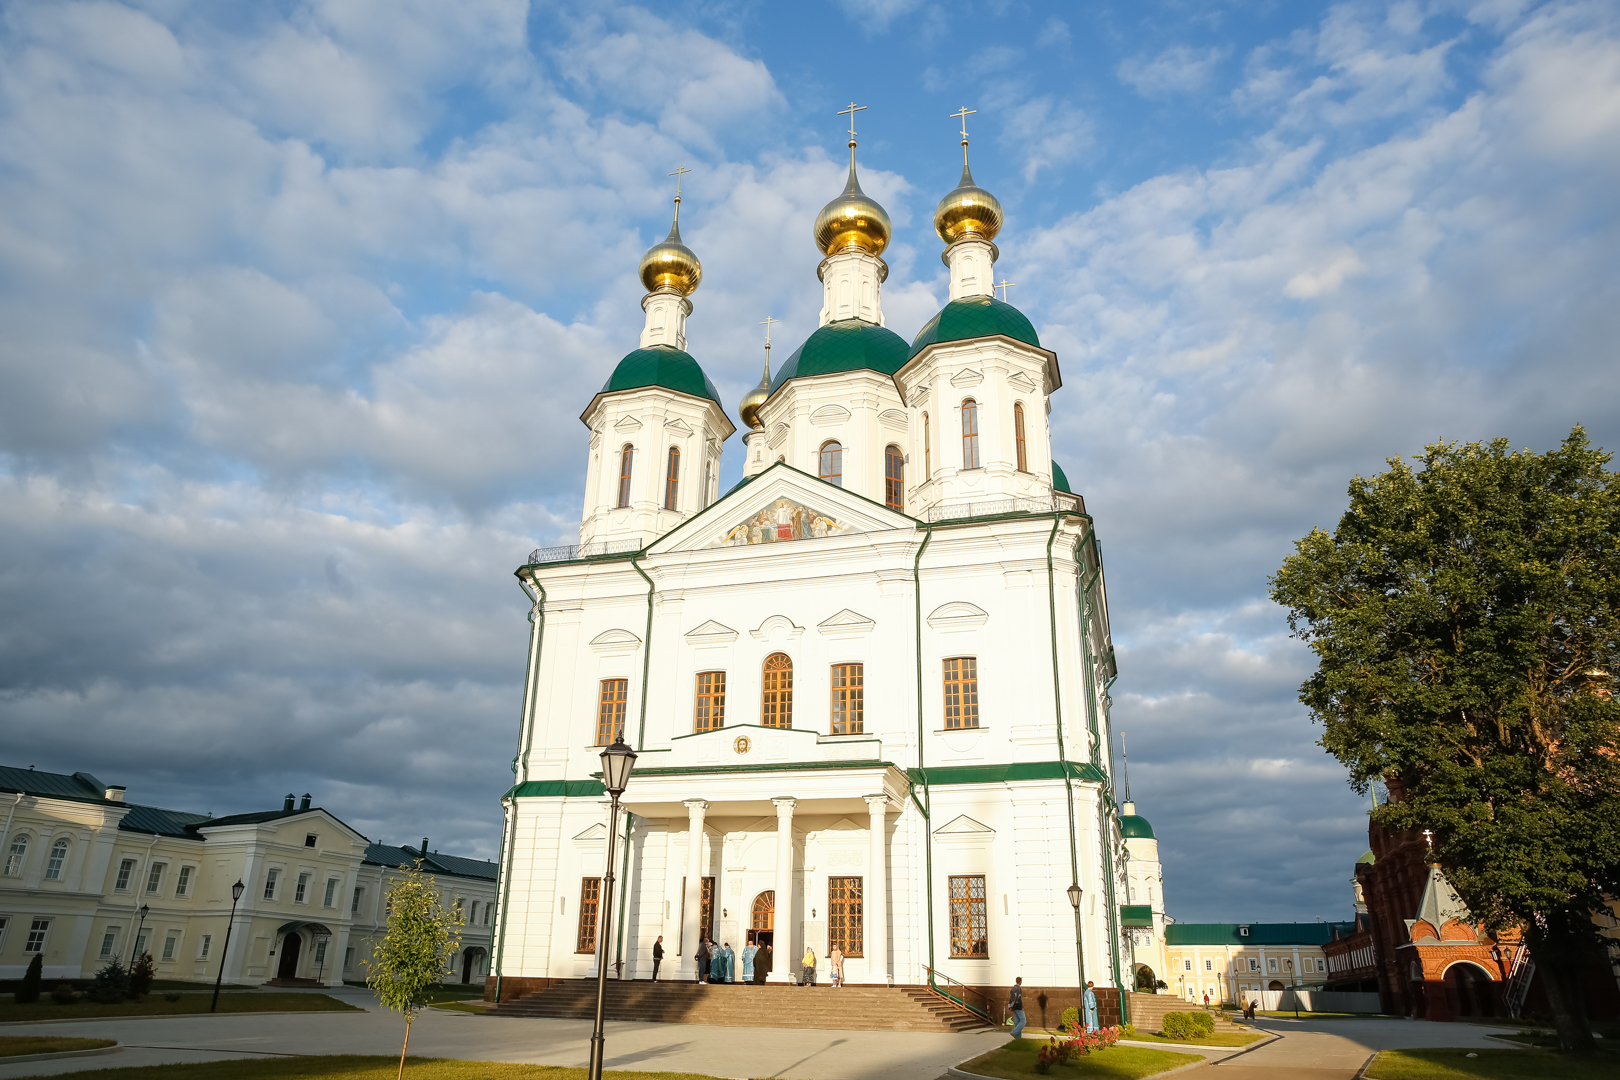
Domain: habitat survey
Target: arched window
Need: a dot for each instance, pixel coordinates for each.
(672, 481)
(1018, 436)
(970, 434)
(53, 866)
(832, 463)
(928, 452)
(894, 478)
(776, 699)
(627, 461)
(14, 857)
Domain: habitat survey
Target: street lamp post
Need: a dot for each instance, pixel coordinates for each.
(1079, 952)
(135, 949)
(236, 894)
(617, 761)
(321, 941)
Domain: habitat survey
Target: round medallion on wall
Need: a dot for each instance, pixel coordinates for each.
(741, 745)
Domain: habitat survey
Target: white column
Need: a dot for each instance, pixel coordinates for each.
(691, 905)
(877, 892)
(784, 944)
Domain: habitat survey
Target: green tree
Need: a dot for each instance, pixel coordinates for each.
(421, 941)
(28, 992)
(142, 973)
(1465, 619)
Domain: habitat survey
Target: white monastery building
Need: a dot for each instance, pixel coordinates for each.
(868, 686)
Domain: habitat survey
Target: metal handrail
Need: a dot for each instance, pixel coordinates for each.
(1518, 981)
(981, 1011)
(1058, 501)
(572, 552)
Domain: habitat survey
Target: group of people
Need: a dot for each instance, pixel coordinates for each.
(718, 963)
(1015, 1005)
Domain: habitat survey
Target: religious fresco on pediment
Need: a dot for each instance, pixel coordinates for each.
(782, 520)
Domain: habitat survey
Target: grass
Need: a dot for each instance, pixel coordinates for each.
(348, 1067)
(475, 1007)
(1016, 1061)
(1220, 1038)
(455, 992)
(14, 1045)
(1491, 1065)
(154, 1005)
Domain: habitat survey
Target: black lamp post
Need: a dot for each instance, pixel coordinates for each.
(135, 949)
(321, 941)
(236, 894)
(617, 761)
(1074, 892)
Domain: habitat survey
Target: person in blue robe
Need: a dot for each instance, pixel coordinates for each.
(1090, 1003)
(717, 965)
(731, 963)
(748, 961)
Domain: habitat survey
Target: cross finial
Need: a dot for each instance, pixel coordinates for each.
(677, 174)
(962, 114)
(1428, 837)
(1004, 285)
(766, 323)
(852, 110)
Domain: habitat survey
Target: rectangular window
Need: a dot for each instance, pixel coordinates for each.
(168, 946)
(894, 479)
(1271, 964)
(299, 891)
(354, 905)
(610, 710)
(53, 865)
(848, 699)
(672, 480)
(154, 877)
(970, 936)
(309, 841)
(1254, 964)
(14, 857)
(108, 941)
(270, 884)
(776, 693)
(320, 950)
(348, 957)
(709, 713)
(970, 434)
(1209, 965)
(205, 947)
(36, 936)
(331, 893)
(590, 894)
(961, 692)
(706, 909)
(473, 919)
(182, 887)
(126, 868)
(140, 943)
(4, 922)
(627, 459)
(1188, 964)
(845, 914)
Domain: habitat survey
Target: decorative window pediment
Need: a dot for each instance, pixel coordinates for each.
(1022, 382)
(776, 624)
(964, 826)
(678, 426)
(846, 623)
(628, 423)
(967, 377)
(829, 414)
(893, 417)
(957, 614)
(919, 395)
(596, 834)
(615, 641)
(711, 633)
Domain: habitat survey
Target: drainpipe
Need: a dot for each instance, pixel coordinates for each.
(624, 903)
(520, 765)
(1063, 761)
(646, 651)
(928, 831)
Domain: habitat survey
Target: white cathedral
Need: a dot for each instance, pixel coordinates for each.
(868, 686)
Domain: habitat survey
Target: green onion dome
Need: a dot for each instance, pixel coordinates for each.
(1367, 858)
(661, 365)
(975, 317)
(845, 345)
(1060, 479)
(1136, 828)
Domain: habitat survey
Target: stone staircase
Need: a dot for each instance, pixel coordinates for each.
(1148, 1011)
(864, 1008)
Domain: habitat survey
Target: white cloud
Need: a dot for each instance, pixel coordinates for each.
(1180, 69)
(875, 16)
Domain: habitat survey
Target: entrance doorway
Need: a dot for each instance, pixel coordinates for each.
(291, 943)
(1470, 990)
(762, 918)
(470, 963)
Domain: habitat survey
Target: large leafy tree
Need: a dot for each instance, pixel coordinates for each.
(1465, 618)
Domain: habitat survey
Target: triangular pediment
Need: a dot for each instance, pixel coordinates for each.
(710, 633)
(595, 833)
(845, 623)
(964, 826)
(628, 423)
(678, 426)
(781, 505)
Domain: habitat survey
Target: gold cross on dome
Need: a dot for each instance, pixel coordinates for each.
(852, 110)
(678, 174)
(1004, 285)
(766, 323)
(962, 114)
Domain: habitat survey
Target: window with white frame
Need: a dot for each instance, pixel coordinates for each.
(320, 950)
(348, 957)
(5, 920)
(126, 869)
(1188, 964)
(1271, 964)
(301, 892)
(1209, 965)
(53, 866)
(182, 885)
(486, 911)
(36, 936)
(354, 905)
(331, 893)
(16, 855)
(109, 941)
(169, 944)
(204, 946)
(270, 883)
(154, 877)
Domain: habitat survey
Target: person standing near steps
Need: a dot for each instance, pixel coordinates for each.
(658, 955)
(1015, 1002)
(701, 955)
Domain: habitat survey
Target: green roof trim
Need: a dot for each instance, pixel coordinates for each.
(846, 345)
(1136, 915)
(661, 365)
(1136, 828)
(557, 789)
(975, 317)
(1060, 479)
(1299, 933)
(1000, 774)
(764, 766)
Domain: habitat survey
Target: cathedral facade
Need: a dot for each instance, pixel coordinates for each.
(867, 686)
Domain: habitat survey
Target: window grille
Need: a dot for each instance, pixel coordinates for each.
(168, 947)
(970, 434)
(14, 858)
(182, 887)
(894, 478)
(300, 893)
(776, 699)
(126, 869)
(154, 877)
(832, 463)
(36, 936)
(53, 866)
(108, 940)
(848, 699)
(207, 945)
(331, 893)
(270, 884)
(610, 711)
(970, 935)
(672, 480)
(627, 461)
(845, 914)
(961, 692)
(590, 895)
(709, 711)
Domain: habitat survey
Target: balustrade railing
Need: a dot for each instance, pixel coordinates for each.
(1058, 501)
(574, 552)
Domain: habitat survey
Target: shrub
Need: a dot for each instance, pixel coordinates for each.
(172, 995)
(111, 984)
(28, 992)
(1177, 1026)
(1127, 1031)
(63, 994)
(1071, 1015)
(1049, 1055)
(1202, 1024)
(141, 974)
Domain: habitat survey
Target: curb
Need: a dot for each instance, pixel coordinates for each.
(1361, 1073)
(20, 1058)
(6, 1024)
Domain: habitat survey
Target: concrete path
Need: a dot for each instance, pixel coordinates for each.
(715, 1051)
(1336, 1049)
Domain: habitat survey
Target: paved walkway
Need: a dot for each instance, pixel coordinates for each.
(1320, 1050)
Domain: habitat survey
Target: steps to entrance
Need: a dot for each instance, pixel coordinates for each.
(864, 1008)
(306, 984)
(1148, 1012)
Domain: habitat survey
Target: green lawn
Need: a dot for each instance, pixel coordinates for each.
(1316, 1016)
(455, 992)
(1219, 1038)
(1016, 1061)
(154, 1005)
(347, 1067)
(1492, 1065)
(475, 1007)
(13, 1045)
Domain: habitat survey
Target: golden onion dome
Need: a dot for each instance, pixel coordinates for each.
(853, 221)
(748, 408)
(671, 266)
(967, 211)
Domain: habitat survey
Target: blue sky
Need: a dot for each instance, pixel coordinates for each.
(302, 300)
